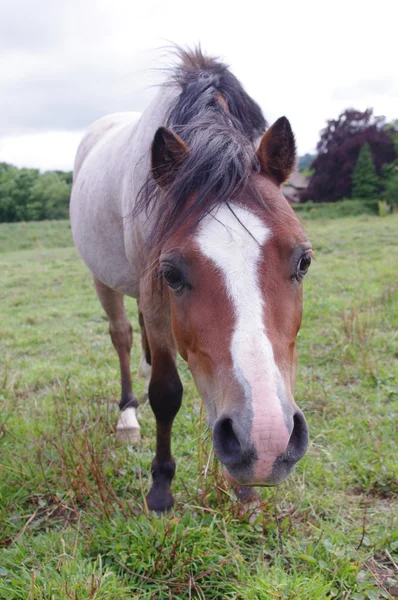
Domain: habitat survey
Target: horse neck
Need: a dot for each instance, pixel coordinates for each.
(135, 165)
(139, 146)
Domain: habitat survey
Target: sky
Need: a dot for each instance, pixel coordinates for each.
(65, 63)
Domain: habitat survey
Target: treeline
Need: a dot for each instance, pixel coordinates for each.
(28, 195)
(357, 157)
(304, 162)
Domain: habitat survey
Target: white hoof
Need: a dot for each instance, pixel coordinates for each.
(128, 436)
(128, 428)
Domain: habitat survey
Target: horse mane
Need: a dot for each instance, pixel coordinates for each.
(220, 124)
(204, 81)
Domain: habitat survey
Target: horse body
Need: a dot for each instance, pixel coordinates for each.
(190, 220)
(110, 167)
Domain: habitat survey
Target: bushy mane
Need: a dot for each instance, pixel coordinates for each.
(203, 81)
(219, 123)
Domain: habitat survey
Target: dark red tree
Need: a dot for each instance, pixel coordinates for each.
(338, 150)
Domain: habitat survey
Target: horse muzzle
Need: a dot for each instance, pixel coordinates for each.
(267, 455)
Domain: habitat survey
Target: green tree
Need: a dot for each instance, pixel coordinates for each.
(49, 198)
(304, 162)
(390, 183)
(365, 182)
(28, 195)
(391, 190)
(15, 189)
(392, 130)
(389, 171)
(8, 175)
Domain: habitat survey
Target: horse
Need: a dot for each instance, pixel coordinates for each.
(181, 208)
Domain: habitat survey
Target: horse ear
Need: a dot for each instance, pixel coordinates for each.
(277, 151)
(167, 154)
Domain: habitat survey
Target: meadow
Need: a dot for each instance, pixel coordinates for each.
(73, 524)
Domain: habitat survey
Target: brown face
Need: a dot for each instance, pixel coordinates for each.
(235, 287)
(235, 290)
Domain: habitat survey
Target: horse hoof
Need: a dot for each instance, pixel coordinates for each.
(128, 436)
(160, 505)
(128, 429)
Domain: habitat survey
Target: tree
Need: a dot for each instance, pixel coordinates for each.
(49, 198)
(15, 188)
(304, 162)
(365, 183)
(390, 194)
(392, 130)
(338, 151)
(390, 171)
(390, 179)
(28, 195)
(7, 186)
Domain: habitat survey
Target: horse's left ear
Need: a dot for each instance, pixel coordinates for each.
(167, 153)
(277, 151)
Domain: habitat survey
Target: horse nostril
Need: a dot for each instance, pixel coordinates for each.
(298, 441)
(226, 443)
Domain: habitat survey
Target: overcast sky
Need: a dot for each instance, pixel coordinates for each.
(64, 63)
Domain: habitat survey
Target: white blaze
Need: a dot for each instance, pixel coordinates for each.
(234, 244)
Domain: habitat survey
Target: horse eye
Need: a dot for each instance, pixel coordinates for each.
(173, 279)
(303, 266)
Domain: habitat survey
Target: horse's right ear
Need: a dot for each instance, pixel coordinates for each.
(277, 151)
(167, 154)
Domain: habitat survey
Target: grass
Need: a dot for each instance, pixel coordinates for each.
(72, 519)
(35, 235)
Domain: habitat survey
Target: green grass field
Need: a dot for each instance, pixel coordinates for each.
(72, 518)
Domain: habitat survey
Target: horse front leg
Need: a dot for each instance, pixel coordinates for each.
(165, 395)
